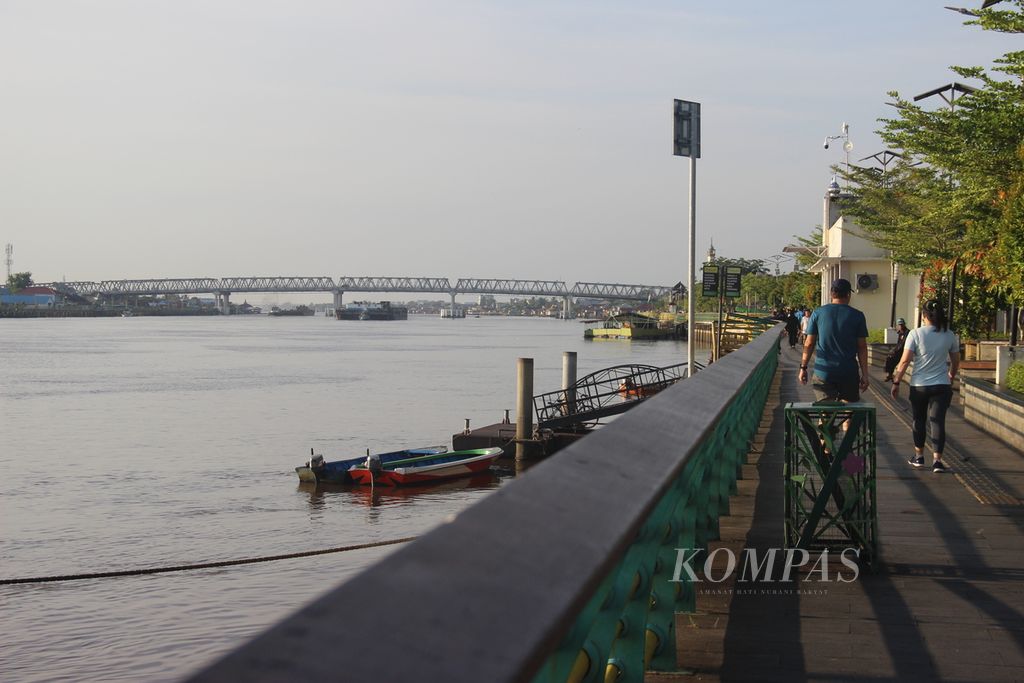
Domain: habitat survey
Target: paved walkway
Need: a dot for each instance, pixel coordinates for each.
(947, 603)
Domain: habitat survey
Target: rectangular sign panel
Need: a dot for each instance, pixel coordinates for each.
(686, 139)
(733, 275)
(709, 284)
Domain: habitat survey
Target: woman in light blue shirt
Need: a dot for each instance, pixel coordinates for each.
(931, 390)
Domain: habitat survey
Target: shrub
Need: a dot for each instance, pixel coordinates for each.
(876, 336)
(1015, 377)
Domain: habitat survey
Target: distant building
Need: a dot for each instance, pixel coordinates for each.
(845, 254)
(31, 297)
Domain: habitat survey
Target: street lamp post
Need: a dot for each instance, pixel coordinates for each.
(884, 158)
(951, 93)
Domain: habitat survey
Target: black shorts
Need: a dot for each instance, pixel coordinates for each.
(843, 390)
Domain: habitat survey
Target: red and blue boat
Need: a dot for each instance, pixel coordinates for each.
(318, 471)
(424, 469)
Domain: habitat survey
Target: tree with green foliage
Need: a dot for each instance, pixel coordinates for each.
(954, 199)
(18, 281)
(798, 289)
(753, 265)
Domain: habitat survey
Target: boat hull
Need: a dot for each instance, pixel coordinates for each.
(428, 469)
(337, 471)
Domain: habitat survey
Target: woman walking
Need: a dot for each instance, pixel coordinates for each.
(931, 390)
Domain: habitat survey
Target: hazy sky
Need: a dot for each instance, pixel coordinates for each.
(146, 139)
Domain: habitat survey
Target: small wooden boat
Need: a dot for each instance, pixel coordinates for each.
(424, 469)
(316, 470)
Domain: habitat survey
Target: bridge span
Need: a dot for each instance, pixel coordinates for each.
(222, 288)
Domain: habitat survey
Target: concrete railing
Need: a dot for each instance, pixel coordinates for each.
(998, 412)
(564, 574)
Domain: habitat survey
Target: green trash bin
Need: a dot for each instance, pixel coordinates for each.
(830, 478)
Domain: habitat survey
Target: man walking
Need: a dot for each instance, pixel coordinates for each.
(837, 335)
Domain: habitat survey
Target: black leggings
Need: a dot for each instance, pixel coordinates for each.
(929, 405)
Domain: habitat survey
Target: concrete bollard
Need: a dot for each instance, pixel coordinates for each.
(524, 407)
(1005, 357)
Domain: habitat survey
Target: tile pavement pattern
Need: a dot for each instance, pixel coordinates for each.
(945, 604)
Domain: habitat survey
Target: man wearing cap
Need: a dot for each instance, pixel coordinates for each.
(893, 359)
(837, 335)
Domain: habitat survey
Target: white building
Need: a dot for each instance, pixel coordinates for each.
(846, 253)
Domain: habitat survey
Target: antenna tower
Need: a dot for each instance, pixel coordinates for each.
(9, 258)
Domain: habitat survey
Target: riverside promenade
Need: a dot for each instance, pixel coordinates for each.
(946, 602)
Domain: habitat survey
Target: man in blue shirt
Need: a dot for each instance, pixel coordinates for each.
(837, 334)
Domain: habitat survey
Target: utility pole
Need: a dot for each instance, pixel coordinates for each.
(686, 143)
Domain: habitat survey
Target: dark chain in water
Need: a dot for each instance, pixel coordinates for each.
(203, 565)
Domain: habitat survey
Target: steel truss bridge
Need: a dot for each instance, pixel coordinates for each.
(222, 288)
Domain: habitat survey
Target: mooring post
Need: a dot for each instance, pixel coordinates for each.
(569, 381)
(524, 406)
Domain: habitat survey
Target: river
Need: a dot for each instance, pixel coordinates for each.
(151, 442)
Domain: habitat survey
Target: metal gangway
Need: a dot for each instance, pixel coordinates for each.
(604, 393)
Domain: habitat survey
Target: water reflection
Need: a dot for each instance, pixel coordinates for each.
(321, 494)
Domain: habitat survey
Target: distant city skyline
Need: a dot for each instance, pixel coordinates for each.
(449, 139)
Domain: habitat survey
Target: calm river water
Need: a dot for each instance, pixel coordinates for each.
(144, 442)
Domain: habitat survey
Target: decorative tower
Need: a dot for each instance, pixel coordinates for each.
(711, 253)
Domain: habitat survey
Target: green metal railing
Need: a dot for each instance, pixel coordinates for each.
(830, 477)
(628, 625)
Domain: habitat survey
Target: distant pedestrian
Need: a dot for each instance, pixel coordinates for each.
(931, 384)
(894, 356)
(806, 318)
(837, 335)
(792, 328)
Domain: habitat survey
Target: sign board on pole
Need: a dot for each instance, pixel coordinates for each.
(686, 141)
(733, 274)
(709, 283)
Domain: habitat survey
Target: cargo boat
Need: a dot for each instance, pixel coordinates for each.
(364, 310)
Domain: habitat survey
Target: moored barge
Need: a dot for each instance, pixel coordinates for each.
(364, 310)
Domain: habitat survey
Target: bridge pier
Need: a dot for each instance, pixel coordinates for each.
(567, 310)
(222, 303)
(452, 308)
(338, 294)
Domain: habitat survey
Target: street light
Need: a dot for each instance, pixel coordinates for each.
(884, 158)
(949, 93)
(779, 258)
(974, 13)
